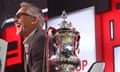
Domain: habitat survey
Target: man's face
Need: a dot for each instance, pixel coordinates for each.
(23, 21)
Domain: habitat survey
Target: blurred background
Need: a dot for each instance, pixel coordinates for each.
(104, 14)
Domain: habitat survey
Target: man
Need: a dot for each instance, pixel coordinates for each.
(29, 22)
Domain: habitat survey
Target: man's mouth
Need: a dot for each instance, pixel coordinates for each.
(18, 28)
(17, 25)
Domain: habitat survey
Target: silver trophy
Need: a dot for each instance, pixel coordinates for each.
(65, 58)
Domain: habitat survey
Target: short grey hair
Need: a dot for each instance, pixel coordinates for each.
(34, 11)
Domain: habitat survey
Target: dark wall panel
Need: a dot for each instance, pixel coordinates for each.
(56, 6)
(102, 5)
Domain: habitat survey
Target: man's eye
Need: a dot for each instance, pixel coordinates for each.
(17, 16)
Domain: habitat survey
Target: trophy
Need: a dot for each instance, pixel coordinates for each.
(65, 59)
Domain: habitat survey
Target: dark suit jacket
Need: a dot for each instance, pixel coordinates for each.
(36, 55)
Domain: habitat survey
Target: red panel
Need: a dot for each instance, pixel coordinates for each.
(9, 34)
(108, 44)
(98, 29)
(103, 43)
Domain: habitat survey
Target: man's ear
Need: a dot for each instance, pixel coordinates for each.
(34, 20)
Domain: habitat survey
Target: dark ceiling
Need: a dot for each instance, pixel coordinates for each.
(57, 6)
(8, 8)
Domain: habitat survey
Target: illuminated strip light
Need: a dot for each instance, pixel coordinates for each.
(111, 30)
(45, 10)
(9, 20)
